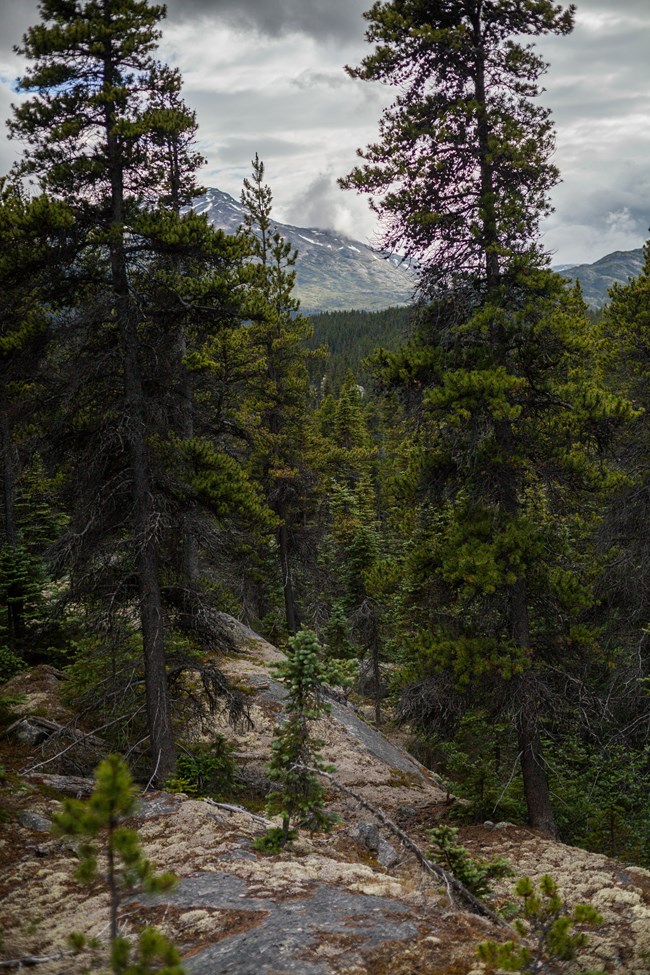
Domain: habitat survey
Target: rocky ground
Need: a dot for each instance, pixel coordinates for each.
(351, 902)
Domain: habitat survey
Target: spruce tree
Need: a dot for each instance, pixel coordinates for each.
(461, 171)
(34, 238)
(504, 377)
(501, 564)
(296, 754)
(625, 587)
(280, 403)
(96, 137)
(352, 546)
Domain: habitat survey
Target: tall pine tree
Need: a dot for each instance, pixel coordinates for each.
(98, 129)
(278, 336)
(502, 371)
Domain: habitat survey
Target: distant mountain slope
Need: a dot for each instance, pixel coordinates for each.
(596, 279)
(333, 272)
(337, 273)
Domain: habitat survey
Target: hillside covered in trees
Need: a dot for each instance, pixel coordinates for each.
(448, 519)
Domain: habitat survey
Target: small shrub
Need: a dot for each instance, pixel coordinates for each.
(552, 932)
(274, 840)
(10, 663)
(153, 953)
(473, 874)
(206, 770)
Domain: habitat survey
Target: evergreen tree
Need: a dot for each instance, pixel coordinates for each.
(352, 546)
(462, 171)
(34, 236)
(100, 824)
(280, 405)
(501, 565)
(350, 337)
(625, 605)
(296, 752)
(96, 135)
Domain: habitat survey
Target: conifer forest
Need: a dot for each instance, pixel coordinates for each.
(442, 510)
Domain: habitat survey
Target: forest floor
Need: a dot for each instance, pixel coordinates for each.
(331, 904)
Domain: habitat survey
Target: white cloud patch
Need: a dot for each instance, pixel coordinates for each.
(622, 222)
(323, 204)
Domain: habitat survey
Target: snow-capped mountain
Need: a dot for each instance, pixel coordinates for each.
(333, 272)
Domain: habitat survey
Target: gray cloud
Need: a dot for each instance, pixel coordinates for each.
(316, 205)
(323, 204)
(623, 7)
(320, 79)
(15, 17)
(331, 19)
(266, 146)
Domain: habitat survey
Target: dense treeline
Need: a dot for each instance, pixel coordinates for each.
(461, 515)
(351, 336)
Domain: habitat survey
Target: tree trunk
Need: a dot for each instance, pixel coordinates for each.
(536, 790)
(10, 527)
(487, 199)
(190, 548)
(111, 872)
(15, 607)
(376, 674)
(163, 752)
(287, 584)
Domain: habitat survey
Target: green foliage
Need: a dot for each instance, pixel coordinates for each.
(351, 337)
(448, 169)
(21, 584)
(205, 770)
(99, 823)
(274, 840)
(479, 760)
(474, 874)
(275, 409)
(299, 797)
(152, 954)
(603, 797)
(553, 933)
(10, 663)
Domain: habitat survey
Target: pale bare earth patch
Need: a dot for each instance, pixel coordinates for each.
(621, 894)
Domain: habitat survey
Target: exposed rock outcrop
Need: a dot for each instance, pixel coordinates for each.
(351, 902)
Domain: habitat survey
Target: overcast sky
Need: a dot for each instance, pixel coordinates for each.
(267, 76)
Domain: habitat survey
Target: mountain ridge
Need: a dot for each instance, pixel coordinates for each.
(333, 272)
(596, 279)
(339, 273)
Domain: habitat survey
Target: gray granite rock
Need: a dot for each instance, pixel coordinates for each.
(273, 692)
(369, 836)
(31, 820)
(288, 931)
